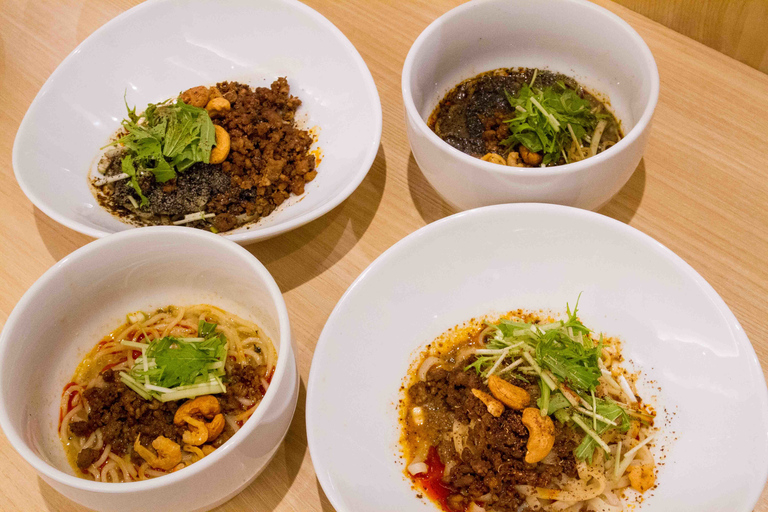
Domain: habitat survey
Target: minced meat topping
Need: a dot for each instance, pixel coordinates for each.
(492, 461)
(269, 160)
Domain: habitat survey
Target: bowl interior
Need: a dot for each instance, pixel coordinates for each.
(159, 49)
(699, 369)
(576, 38)
(88, 294)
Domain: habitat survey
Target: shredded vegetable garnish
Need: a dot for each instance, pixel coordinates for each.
(192, 217)
(555, 120)
(167, 138)
(564, 358)
(174, 368)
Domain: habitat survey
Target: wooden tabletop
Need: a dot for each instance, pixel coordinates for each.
(701, 190)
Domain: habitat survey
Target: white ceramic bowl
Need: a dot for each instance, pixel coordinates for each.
(712, 403)
(159, 48)
(574, 37)
(84, 297)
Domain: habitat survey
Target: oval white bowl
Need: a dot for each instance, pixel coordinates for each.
(158, 49)
(573, 37)
(84, 297)
(712, 403)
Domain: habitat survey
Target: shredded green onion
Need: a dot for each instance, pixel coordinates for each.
(591, 433)
(565, 360)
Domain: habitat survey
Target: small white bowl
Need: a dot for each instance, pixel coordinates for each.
(158, 49)
(86, 295)
(573, 37)
(698, 368)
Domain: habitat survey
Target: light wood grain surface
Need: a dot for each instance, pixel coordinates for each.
(737, 28)
(701, 190)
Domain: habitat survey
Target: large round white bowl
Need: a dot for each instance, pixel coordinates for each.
(158, 49)
(574, 37)
(699, 368)
(85, 296)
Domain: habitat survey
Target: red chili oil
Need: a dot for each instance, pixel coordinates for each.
(112, 365)
(431, 482)
(69, 402)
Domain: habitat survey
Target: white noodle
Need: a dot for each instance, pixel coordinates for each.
(103, 180)
(428, 363)
(103, 457)
(192, 217)
(417, 467)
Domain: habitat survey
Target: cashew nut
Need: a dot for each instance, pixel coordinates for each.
(221, 150)
(199, 431)
(508, 394)
(196, 96)
(541, 435)
(513, 159)
(642, 477)
(494, 158)
(495, 407)
(168, 453)
(217, 106)
(529, 156)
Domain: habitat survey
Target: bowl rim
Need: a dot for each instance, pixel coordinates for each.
(138, 237)
(629, 138)
(406, 243)
(248, 235)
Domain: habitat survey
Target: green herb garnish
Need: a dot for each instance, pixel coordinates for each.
(571, 361)
(174, 368)
(553, 120)
(564, 348)
(564, 360)
(130, 170)
(167, 139)
(205, 329)
(610, 410)
(180, 363)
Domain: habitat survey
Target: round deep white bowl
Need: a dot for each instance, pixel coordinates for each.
(574, 37)
(699, 370)
(158, 49)
(85, 296)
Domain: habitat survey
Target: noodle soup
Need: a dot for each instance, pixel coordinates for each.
(523, 117)
(163, 391)
(525, 413)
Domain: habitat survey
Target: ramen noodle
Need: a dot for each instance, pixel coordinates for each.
(163, 391)
(525, 413)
